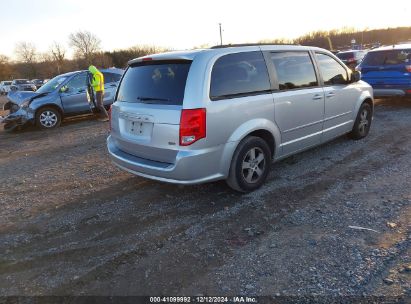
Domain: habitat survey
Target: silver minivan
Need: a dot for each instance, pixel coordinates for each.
(227, 112)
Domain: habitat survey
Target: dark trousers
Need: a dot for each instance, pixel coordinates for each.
(100, 105)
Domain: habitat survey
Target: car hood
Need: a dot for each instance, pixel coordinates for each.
(18, 97)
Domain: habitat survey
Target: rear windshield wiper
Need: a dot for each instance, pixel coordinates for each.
(152, 98)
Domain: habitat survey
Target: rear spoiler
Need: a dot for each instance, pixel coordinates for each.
(170, 56)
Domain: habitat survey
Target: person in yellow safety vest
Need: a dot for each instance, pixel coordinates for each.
(97, 82)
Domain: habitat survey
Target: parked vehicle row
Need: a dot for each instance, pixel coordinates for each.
(62, 96)
(227, 113)
(21, 85)
(5, 87)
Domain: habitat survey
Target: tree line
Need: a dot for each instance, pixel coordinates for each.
(341, 39)
(87, 50)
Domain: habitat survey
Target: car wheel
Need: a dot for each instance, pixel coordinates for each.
(48, 118)
(362, 123)
(250, 165)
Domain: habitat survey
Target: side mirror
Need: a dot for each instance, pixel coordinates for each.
(355, 76)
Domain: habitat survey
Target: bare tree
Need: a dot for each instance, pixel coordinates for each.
(85, 44)
(4, 59)
(58, 52)
(26, 52)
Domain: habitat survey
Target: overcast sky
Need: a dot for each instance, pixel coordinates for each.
(181, 24)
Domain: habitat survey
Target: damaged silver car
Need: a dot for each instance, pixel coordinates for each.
(64, 95)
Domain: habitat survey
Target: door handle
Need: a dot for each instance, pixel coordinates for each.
(318, 96)
(331, 94)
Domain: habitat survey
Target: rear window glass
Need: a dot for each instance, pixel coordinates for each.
(161, 82)
(345, 56)
(239, 74)
(390, 57)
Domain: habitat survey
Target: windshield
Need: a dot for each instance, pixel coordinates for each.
(7, 83)
(161, 82)
(51, 85)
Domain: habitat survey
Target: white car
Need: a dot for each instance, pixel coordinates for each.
(4, 87)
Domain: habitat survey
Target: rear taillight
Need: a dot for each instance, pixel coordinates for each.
(408, 68)
(192, 126)
(408, 91)
(351, 60)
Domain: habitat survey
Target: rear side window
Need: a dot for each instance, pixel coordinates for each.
(295, 70)
(155, 82)
(389, 57)
(332, 72)
(239, 74)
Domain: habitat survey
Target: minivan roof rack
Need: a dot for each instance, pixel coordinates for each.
(247, 44)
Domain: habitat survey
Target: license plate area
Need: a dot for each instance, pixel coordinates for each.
(139, 128)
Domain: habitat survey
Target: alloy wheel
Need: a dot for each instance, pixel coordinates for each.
(48, 119)
(253, 165)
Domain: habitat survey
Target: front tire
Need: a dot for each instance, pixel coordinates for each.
(48, 118)
(362, 123)
(250, 165)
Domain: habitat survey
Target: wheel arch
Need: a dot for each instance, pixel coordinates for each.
(263, 128)
(365, 97)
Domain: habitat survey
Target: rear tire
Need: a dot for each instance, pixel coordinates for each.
(48, 118)
(250, 165)
(362, 123)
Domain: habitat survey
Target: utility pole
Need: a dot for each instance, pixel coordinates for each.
(221, 35)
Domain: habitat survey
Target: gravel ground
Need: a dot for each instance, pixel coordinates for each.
(73, 224)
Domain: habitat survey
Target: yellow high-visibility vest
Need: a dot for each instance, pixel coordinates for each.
(97, 82)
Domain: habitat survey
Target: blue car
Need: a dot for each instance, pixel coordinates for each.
(388, 70)
(64, 95)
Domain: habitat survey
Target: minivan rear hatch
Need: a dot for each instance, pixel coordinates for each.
(146, 114)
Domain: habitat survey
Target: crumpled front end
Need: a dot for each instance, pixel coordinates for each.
(17, 116)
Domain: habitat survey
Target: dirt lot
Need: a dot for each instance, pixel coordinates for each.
(73, 224)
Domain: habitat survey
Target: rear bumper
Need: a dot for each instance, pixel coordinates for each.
(190, 167)
(389, 93)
